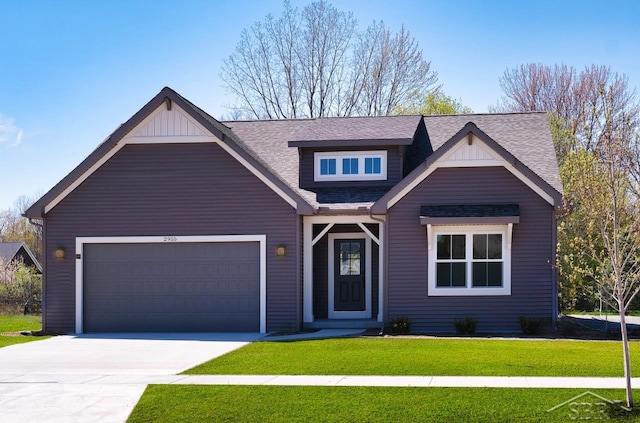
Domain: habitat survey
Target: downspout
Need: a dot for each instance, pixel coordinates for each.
(382, 308)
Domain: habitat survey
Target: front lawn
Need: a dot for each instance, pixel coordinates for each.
(426, 356)
(12, 324)
(188, 403)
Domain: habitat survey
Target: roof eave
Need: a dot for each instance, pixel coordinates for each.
(350, 143)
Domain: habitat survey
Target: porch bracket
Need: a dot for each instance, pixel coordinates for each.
(509, 235)
(368, 232)
(429, 236)
(321, 234)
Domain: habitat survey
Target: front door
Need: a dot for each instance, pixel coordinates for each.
(349, 275)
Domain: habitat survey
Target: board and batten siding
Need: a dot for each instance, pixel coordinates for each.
(173, 190)
(531, 258)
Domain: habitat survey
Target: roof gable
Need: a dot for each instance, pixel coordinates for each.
(469, 147)
(167, 118)
(9, 251)
(526, 136)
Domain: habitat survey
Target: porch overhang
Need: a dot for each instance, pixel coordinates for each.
(329, 220)
(470, 214)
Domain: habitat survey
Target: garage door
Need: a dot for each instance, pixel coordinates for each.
(171, 287)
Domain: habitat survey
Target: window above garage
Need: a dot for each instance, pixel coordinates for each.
(350, 166)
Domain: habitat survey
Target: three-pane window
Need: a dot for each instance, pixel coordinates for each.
(350, 166)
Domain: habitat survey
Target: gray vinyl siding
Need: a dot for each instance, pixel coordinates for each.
(394, 168)
(172, 189)
(532, 253)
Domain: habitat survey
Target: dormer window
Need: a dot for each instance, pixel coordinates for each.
(350, 166)
(327, 167)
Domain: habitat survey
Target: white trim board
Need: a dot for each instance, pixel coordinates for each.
(132, 138)
(81, 241)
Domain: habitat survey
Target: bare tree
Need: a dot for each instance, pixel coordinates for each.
(610, 244)
(315, 63)
(595, 122)
(589, 104)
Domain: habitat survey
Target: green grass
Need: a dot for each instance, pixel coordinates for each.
(18, 323)
(433, 356)
(189, 403)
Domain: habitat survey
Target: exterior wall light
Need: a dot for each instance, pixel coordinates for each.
(281, 250)
(59, 253)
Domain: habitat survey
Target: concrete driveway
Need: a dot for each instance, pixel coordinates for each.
(98, 378)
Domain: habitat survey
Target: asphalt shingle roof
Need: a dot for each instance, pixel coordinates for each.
(387, 129)
(474, 210)
(525, 135)
(8, 250)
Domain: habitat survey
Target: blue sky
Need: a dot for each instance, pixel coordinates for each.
(72, 71)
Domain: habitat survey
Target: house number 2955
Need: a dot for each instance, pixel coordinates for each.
(170, 238)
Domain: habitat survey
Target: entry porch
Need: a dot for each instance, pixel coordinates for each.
(343, 284)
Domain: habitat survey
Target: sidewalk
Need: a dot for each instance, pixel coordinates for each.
(336, 380)
(417, 381)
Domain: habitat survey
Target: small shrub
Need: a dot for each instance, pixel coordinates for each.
(466, 326)
(530, 326)
(399, 325)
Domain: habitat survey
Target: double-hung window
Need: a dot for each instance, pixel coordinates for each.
(350, 166)
(469, 260)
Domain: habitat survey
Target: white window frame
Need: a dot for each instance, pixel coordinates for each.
(360, 155)
(469, 231)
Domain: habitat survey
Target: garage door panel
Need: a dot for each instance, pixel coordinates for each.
(172, 287)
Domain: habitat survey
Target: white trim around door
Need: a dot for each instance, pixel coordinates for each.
(80, 241)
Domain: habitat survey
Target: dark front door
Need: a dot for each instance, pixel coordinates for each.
(349, 290)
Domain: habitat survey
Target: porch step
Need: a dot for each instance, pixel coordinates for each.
(342, 324)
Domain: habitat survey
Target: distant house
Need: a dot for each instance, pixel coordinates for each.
(18, 252)
(180, 222)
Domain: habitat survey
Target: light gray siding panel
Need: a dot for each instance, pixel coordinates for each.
(532, 253)
(172, 189)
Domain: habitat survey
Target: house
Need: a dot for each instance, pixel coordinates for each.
(179, 222)
(12, 252)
